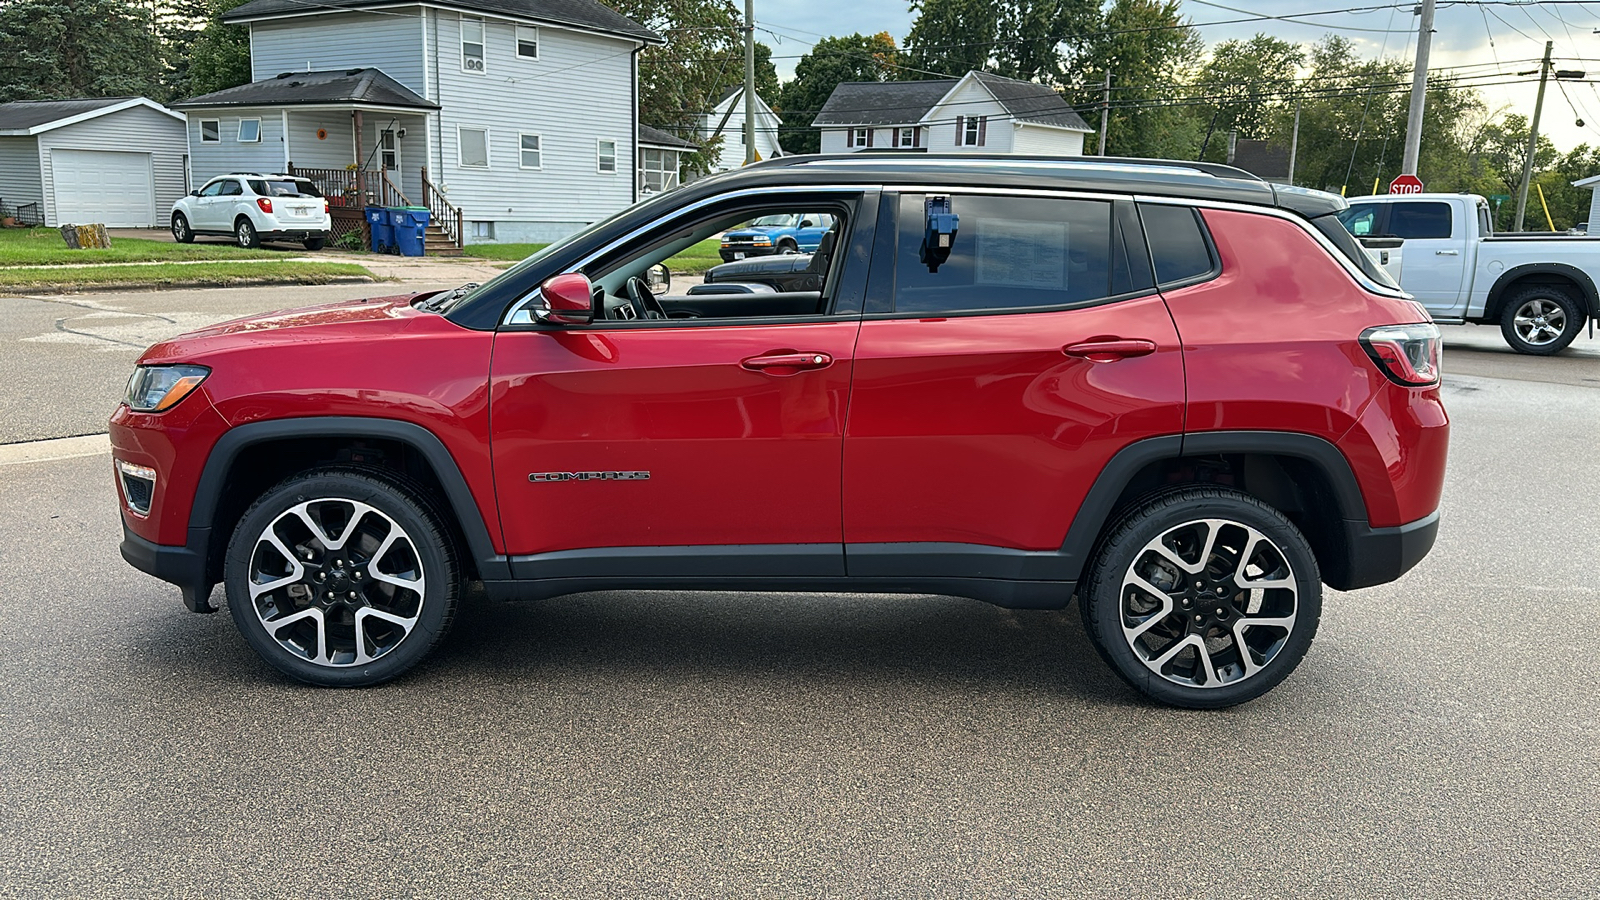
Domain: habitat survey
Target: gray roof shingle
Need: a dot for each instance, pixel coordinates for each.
(588, 14)
(905, 102)
(655, 137)
(20, 115)
(368, 87)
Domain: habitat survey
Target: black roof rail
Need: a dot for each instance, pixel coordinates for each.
(1216, 170)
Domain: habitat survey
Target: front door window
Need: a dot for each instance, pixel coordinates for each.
(389, 150)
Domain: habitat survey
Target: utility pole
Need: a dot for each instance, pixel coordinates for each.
(1294, 140)
(1419, 92)
(750, 81)
(1105, 112)
(1533, 139)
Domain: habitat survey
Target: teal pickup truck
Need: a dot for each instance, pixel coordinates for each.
(776, 234)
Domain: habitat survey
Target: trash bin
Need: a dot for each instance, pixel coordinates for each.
(382, 228)
(410, 229)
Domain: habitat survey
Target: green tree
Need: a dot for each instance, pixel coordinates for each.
(56, 49)
(679, 80)
(1151, 53)
(1027, 39)
(951, 37)
(831, 62)
(1244, 84)
(210, 58)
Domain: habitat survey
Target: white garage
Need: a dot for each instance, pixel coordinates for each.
(113, 188)
(118, 162)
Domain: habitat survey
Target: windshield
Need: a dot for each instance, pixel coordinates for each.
(778, 221)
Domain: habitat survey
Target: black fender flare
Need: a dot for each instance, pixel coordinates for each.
(219, 462)
(1495, 303)
(1095, 512)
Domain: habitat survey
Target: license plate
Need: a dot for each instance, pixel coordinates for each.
(738, 256)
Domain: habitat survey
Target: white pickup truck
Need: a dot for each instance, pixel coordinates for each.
(1539, 289)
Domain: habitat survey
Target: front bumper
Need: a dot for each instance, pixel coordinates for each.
(728, 252)
(182, 566)
(1381, 555)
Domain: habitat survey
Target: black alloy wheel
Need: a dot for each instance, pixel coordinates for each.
(342, 578)
(1203, 598)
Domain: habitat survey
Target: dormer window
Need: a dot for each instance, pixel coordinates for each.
(472, 45)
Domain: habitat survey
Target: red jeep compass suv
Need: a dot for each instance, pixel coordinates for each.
(1176, 391)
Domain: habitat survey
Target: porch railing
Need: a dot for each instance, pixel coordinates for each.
(442, 214)
(350, 187)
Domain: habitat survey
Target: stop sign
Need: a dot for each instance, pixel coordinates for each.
(1406, 184)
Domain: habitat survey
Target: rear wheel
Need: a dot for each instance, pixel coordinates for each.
(244, 231)
(1541, 320)
(341, 578)
(181, 232)
(315, 244)
(1203, 598)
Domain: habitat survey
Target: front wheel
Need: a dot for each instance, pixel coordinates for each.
(787, 247)
(244, 231)
(1541, 320)
(1203, 598)
(341, 578)
(181, 232)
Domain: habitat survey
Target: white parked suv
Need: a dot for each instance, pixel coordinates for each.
(252, 208)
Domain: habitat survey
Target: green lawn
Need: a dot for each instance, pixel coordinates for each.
(223, 273)
(692, 261)
(44, 247)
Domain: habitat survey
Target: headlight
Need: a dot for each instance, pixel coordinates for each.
(159, 388)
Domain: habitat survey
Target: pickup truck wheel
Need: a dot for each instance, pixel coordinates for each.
(1203, 598)
(787, 247)
(341, 578)
(1541, 320)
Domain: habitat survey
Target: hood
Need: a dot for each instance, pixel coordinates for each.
(328, 321)
(760, 231)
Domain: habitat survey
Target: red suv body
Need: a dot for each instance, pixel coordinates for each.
(1176, 391)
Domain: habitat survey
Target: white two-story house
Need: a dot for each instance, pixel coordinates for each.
(727, 118)
(977, 113)
(516, 119)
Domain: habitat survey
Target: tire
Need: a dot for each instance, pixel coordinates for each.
(181, 232)
(1541, 320)
(314, 244)
(244, 233)
(299, 593)
(787, 247)
(1142, 605)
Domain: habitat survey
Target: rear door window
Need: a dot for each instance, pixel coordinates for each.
(1420, 221)
(1179, 246)
(1010, 253)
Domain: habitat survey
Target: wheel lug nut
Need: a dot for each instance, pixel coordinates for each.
(322, 576)
(352, 595)
(1199, 618)
(1220, 611)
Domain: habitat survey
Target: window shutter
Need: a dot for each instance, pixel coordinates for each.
(983, 129)
(916, 137)
(849, 137)
(894, 138)
(961, 124)
(869, 136)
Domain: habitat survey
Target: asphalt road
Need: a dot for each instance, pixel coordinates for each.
(1442, 738)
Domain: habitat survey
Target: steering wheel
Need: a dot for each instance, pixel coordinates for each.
(644, 302)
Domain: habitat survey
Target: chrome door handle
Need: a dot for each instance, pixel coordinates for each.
(1447, 253)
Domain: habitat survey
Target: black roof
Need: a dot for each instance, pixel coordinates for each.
(658, 138)
(589, 14)
(1150, 177)
(904, 102)
(368, 87)
(24, 114)
(881, 102)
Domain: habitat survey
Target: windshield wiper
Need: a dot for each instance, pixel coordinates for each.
(445, 299)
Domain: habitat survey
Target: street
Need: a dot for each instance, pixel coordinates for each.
(1441, 739)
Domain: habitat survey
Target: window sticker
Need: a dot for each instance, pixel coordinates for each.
(1022, 254)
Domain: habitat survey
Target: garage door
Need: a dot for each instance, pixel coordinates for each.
(103, 186)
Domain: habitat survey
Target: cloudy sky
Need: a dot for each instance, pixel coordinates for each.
(1462, 39)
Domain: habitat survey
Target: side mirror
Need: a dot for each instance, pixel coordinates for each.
(195, 192)
(807, 223)
(571, 299)
(659, 277)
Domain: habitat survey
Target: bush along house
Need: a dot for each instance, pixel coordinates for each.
(511, 120)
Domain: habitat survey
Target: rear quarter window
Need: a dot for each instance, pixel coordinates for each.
(1178, 244)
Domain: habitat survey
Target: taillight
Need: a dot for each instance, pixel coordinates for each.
(1408, 354)
(265, 204)
(324, 204)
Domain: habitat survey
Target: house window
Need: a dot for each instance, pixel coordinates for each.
(249, 131)
(527, 42)
(472, 147)
(388, 150)
(972, 131)
(606, 151)
(863, 137)
(658, 170)
(471, 45)
(908, 138)
(532, 155)
(483, 231)
(210, 131)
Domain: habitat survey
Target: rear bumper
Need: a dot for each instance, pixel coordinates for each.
(294, 234)
(182, 566)
(1381, 555)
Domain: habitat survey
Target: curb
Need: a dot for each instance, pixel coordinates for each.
(105, 286)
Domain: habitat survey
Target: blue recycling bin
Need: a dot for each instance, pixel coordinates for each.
(410, 229)
(381, 225)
